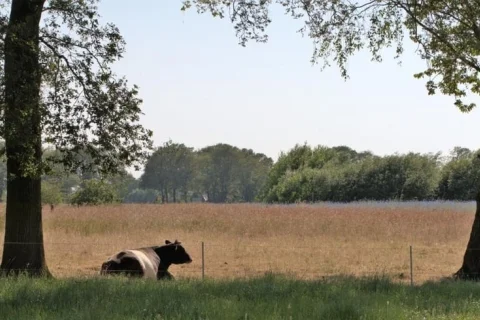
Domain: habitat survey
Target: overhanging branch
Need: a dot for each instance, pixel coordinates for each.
(435, 34)
(77, 45)
(68, 64)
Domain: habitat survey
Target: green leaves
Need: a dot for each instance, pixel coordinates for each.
(223, 172)
(51, 193)
(447, 33)
(460, 176)
(342, 174)
(95, 192)
(85, 107)
(169, 169)
(229, 174)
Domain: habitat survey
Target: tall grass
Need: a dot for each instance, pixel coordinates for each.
(244, 240)
(268, 297)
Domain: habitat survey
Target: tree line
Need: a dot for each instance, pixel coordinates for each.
(222, 173)
(218, 173)
(341, 174)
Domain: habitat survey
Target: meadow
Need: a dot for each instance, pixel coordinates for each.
(248, 240)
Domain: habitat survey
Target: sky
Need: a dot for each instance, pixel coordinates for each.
(200, 87)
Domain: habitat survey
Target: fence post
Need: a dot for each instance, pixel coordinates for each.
(203, 260)
(411, 266)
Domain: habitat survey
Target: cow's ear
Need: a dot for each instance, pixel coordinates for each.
(167, 242)
(177, 242)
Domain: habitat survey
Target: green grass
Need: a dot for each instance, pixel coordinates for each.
(269, 297)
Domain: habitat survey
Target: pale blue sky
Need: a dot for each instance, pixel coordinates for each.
(200, 87)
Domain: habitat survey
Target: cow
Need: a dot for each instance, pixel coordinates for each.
(147, 262)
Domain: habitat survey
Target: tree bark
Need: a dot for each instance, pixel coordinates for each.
(470, 269)
(23, 247)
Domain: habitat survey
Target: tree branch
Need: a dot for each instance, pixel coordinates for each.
(69, 66)
(78, 45)
(435, 34)
(62, 57)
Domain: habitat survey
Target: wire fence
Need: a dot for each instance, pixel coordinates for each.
(410, 263)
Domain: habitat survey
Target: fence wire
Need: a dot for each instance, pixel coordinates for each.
(219, 260)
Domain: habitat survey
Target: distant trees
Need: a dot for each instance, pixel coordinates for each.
(229, 174)
(95, 192)
(169, 171)
(343, 174)
(221, 173)
(51, 193)
(460, 177)
(60, 185)
(141, 196)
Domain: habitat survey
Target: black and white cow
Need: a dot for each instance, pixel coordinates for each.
(148, 262)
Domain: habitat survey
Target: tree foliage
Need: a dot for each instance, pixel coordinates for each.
(169, 170)
(225, 173)
(141, 196)
(51, 193)
(446, 32)
(95, 192)
(343, 174)
(221, 172)
(229, 174)
(57, 175)
(460, 177)
(85, 108)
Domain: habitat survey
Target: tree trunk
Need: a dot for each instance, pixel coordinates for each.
(23, 248)
(174, 191)
(470, 269)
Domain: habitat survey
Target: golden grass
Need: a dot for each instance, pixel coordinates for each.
(244, 240)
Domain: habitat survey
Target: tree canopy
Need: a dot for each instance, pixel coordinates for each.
(221, 173)
(447, 33)
(85, 108)
(341, 174)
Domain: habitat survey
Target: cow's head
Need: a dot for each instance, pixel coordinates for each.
(173, 252)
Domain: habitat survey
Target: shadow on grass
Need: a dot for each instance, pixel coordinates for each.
(268, 297)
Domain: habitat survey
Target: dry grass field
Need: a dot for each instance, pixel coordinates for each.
(242, 240)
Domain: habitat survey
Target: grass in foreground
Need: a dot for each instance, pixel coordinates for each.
(268, 297)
